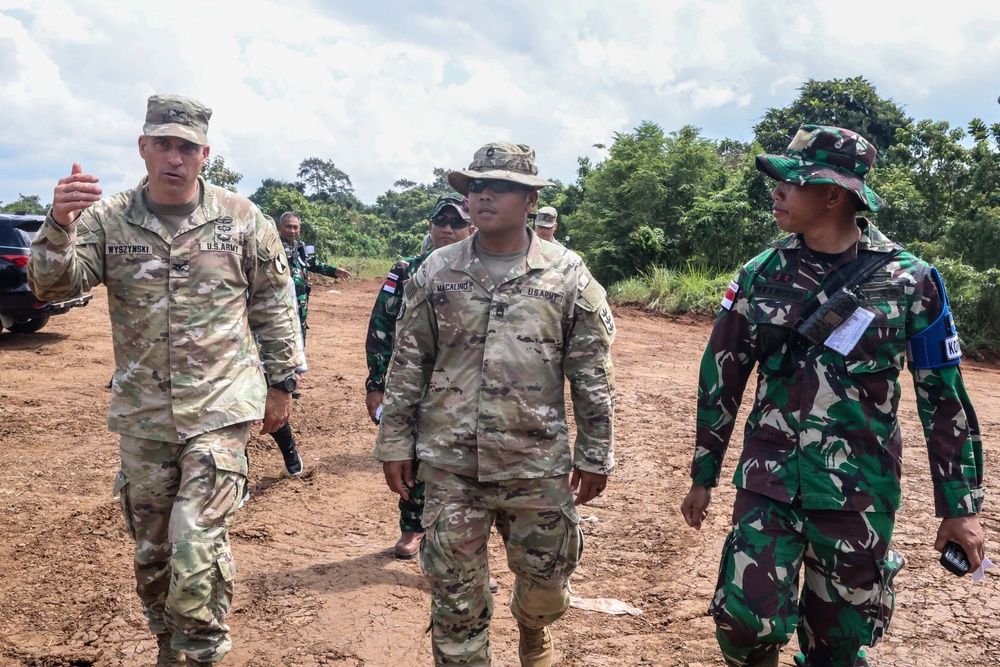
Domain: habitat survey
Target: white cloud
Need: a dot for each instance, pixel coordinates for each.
(393, 91)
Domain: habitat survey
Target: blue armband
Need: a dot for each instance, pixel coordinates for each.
(937, 346)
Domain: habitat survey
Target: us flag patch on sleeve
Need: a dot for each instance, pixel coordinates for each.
(731, 292)
(390, 283)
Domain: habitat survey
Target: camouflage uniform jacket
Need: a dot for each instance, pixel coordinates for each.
(382, 325)
(824, 426)
(476, 380)
(301, 264)
(182, 309)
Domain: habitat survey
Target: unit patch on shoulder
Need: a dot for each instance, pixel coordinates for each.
(731, 292)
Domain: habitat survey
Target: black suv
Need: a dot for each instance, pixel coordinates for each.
(20, 311)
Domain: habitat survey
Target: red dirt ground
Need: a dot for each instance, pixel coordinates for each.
(317, 583)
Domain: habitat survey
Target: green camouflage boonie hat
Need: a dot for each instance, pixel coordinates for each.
(546, 217)
(824, 154)
(501, 161)
(177, 116)
(456, 201)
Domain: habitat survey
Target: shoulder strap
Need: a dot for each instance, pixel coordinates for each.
(861, 271)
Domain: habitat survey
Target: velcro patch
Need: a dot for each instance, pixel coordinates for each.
(390, 285)
(454, 287)
(542, 294)
(609, 321)
(219, 246)
(127, 249)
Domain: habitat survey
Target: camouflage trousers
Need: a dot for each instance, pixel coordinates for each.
(847, 596)
(303, 302)
(541, 532)
(178, 500)
(412, 510)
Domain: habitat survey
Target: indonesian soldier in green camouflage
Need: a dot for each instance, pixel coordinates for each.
(193, 273)
(449, 223)
(490, 330)
(302, 263)
(818, 481)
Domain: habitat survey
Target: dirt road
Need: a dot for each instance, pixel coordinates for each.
(317, 583)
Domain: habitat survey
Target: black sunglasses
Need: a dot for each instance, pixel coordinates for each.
(477, 185)
(444, 221)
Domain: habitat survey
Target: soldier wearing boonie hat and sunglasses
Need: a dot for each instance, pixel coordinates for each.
(491, 329)
(828, 316)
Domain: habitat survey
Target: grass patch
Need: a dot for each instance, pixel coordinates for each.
(692, 289)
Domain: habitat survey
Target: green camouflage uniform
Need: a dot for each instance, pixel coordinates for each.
(185, 312)
(823, 436)
(475, 391)
(378, 351)
(301, 264)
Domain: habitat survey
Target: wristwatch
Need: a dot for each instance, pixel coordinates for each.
(288, 384)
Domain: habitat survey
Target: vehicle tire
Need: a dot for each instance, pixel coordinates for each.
(31, 326)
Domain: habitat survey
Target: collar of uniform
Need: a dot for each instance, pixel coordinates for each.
(871, 239)
(138, 214)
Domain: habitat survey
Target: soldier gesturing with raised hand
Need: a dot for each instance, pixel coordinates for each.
(195, 275)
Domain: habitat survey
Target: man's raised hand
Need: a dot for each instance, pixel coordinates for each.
(73, 194)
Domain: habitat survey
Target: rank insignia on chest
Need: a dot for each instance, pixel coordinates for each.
(730, 296)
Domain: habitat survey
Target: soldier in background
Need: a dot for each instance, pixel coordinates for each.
(818, 482)
(449, 223)
(546, 223)
(303, 263)
(195, 274)
(491, 329)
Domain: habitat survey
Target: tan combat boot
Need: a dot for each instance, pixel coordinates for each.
(535, 647)
(168, 657)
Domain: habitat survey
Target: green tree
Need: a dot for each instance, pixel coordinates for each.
(849, 103)
(326, 181)
(216, 173)
(27, 204)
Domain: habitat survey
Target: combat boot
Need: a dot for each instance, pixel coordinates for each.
(168, 657)
(535, 646)
(200, 663)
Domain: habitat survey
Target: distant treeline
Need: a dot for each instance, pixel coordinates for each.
(677, 200)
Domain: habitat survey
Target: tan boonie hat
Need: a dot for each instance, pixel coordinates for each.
(177, 116)
(546, 217)
(500, 161)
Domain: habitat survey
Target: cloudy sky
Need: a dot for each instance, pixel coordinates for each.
(390, 89)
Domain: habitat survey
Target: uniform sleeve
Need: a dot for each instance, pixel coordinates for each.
(316, 266)
(725, 369)
(66, 261)
(951, 429)
(591, 375)
(271, 309)
(382, 326)
(409, 375)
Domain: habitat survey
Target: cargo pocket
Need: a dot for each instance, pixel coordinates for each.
(228, 487)
(718, 603)
(225, 575)
(121, 490)
(883, 601)
(435, 554)
(571, 550)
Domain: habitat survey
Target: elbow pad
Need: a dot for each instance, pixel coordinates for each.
(936, 346)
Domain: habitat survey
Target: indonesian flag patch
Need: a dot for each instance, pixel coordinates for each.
(390, 283)
(731, 292)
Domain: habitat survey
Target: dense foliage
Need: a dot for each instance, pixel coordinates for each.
(670, 204)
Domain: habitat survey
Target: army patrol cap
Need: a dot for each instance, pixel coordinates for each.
(177, 116)
(825, 154)
(500, 161)
(546, 217)
(456, 201)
